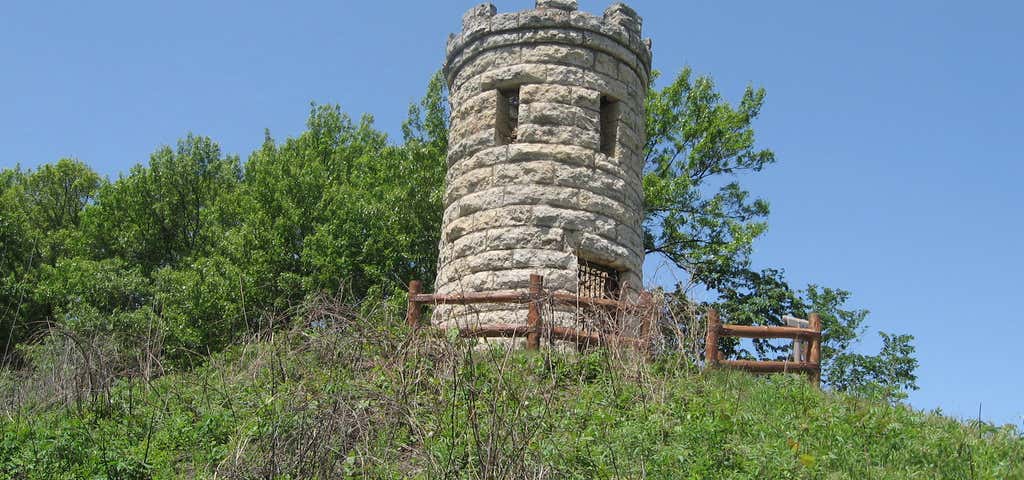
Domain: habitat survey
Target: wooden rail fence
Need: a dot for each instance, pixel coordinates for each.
(534, 329)
(811, 366)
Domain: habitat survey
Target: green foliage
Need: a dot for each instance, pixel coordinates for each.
(163, 213)
(885, 376)
(196, 250)
(109, 285)
(340, 208)
(201, 306)
(759, 298)
(705, 223)
(694, 139)
(57, 195)
(18, 258)
(39, 223)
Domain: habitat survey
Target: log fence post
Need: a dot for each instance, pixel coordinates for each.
(533, 321)
(814, 355)
(415, 310)
(711, 341)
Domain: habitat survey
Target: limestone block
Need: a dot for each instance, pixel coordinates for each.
(466, 84)
(585, 21)
(568, 5)
(481, 159)
(567, 154)
(526, 173)
(478, 103)
(571, 220)
(470, 124)
(480, 12)
(628, 76)
(547, 53)
(625, 17)
(575, 76)
(603, 43)
(504, 21)
(629, 137)
(503, 77)
(607, 65)
(543, 18)
(552, 35)
(537, 258)
(603, 250)
(495, 58)
(476, 19)
(471, 144)
(475, 181)
(508, 238)
(566, 95)
(592, 179)
(517, 279)
(560, 135)
(558, 114)
(510, 216)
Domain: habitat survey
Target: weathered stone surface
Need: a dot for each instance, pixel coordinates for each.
(569, 5)
(485, 30)
(544, 113)
(559, 135)
(575, 96)
(624, 16)
(551, 197)
(471, 144)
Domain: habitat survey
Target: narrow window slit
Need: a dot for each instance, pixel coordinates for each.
(609, 125)
(507, 121)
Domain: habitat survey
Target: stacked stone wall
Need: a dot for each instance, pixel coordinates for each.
(550, 198)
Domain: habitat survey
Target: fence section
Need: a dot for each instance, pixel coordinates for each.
(812, 335)
(534, 329)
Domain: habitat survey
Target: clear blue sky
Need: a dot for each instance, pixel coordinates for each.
(896, 125)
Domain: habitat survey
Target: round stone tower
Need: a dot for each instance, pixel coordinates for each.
(545, 156)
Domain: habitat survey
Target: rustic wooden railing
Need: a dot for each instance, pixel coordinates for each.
(811, 366)
(534, 329)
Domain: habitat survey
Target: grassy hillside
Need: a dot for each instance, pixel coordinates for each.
(356, 397)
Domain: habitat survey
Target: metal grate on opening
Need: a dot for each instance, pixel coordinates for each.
(598, 281)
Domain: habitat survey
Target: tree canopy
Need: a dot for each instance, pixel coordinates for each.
(205, 248)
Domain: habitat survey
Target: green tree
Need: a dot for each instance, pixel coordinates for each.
(702, 220)
(889, 374)
(696, 140)
(95, 296)
(39, 224)
(163, 213)
(341, 207)
(19, 258)
(59, 192)
(301, 189)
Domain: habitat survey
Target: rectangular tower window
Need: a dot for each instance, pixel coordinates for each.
(506, 124)
(609, 125)
(598, 281)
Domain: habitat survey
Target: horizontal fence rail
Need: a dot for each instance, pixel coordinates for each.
(534, 328)
(812, 335)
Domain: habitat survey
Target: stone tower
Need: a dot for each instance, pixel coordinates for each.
(545, 155)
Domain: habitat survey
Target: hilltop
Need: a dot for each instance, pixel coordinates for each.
(347, 393)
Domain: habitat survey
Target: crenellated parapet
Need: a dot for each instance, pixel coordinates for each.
(616, 33)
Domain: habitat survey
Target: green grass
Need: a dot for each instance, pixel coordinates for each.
(371, 403)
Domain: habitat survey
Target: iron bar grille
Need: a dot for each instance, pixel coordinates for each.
(598, 281)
